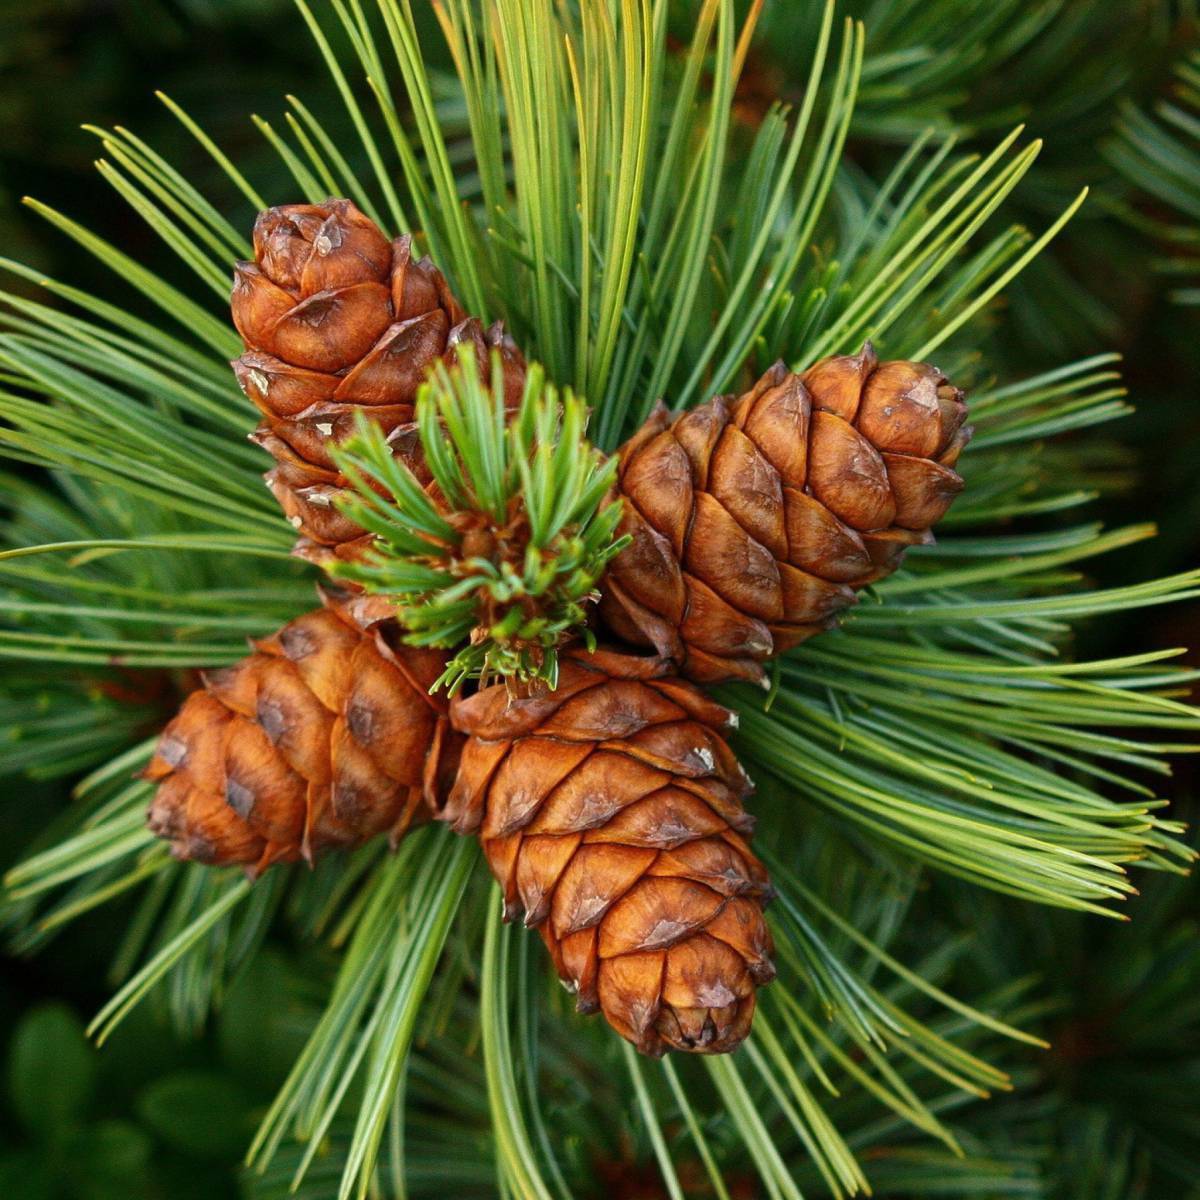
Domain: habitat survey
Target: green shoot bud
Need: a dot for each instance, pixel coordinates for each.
(499, 556)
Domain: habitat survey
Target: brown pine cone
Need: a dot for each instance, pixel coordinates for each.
(756, 518)
(326, 736)
(610, 811)
(337, 320)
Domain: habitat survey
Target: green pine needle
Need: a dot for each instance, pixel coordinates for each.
(582, 179)
(1159, 155)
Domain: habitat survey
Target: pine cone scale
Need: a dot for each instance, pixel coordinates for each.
(754, 520)
(597, 877)
(746, 487)
(332, 330)
(338, 320)
(924, 490)
(610, 813)
(325, 736)
(819, 542)
(397, 363)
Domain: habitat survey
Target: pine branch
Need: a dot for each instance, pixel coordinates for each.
(631, 247)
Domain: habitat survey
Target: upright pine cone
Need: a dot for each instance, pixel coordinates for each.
(336, 320)
(610, 811)
(755, 519)
(326, 736)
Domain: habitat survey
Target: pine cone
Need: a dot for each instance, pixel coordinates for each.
(755, 519)
(336, 320)
(326, 736)
(610, 811)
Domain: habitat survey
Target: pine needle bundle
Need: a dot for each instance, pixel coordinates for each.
(636, 247)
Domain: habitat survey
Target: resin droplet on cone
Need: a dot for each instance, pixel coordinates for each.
(610, 811)
(756, 518)
(325, 736)
(339, 320)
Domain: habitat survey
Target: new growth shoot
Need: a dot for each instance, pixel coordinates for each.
(496, 554)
